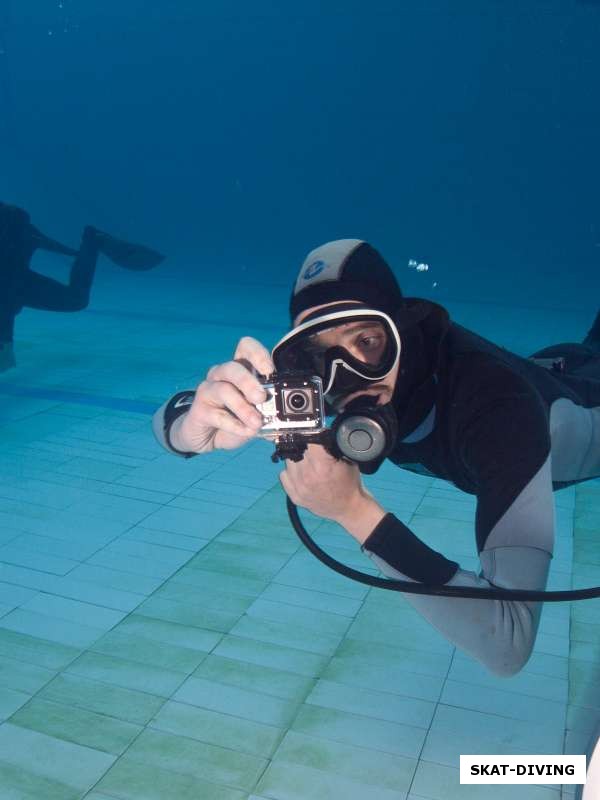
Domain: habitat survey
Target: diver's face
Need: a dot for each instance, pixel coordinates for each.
(366, 341)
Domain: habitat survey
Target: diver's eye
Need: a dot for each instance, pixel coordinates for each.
(371, 346)
(370, 342)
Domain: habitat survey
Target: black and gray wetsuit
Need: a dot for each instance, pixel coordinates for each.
(507, 430)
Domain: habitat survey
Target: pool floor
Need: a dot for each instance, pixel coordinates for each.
(164, 634)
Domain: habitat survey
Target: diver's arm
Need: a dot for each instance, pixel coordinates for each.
(506, 450)
(221, 413)
(167, 421)
(498, 633)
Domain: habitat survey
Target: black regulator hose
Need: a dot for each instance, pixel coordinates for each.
(423, 588)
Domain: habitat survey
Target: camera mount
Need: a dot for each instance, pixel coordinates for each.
(289, 446)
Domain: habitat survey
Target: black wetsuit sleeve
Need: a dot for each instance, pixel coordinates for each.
(398, 546)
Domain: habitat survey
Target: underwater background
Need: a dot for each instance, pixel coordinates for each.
(163, 635)
(239, 135)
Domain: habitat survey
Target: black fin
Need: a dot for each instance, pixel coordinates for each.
(132, 256)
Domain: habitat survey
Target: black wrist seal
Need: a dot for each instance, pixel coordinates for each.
(178, 405)
(398, 546)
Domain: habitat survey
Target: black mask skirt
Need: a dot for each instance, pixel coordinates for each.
(355, 360)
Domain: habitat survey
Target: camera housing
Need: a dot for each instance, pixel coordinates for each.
(294, 405)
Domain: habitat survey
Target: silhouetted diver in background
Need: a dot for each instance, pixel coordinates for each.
(21, 287)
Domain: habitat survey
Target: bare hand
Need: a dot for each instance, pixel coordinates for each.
(223, 414)
(322, 484)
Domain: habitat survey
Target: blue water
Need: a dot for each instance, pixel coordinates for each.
(235, 137)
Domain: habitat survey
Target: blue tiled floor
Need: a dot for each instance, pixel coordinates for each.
(164, 635)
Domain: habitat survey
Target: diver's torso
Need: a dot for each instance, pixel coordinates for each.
(569, 403)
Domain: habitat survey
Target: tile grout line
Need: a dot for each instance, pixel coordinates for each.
(317, 678)
(437, 703)
(206, 656)
(257, 500)
(88, 648)
(314, 678)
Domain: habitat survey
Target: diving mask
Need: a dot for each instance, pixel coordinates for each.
(349, 346)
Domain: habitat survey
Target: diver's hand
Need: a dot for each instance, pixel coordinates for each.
(223, 415)
(333, 489)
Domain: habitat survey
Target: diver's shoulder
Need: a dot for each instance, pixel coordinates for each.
(477, 367)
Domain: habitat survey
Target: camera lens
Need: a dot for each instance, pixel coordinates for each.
(298, 401)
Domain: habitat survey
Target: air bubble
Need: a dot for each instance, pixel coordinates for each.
(420, 266)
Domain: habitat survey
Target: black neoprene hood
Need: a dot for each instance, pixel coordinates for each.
(348, 269)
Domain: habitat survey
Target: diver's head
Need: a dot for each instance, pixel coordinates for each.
(345, 269)
(342, 310)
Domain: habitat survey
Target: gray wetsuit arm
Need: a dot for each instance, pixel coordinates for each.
(498, 633)
(516, 554)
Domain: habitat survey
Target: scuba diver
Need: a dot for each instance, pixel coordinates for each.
(508, 429)
(20, 286)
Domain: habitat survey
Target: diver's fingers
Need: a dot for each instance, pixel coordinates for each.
(284, 479)
(316, 454)
(224, 422)
(292, 485)
(236, 374)
(252, 351)
(223, 397)
(218, 417)
(288, 485)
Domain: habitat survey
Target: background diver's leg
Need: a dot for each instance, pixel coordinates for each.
(582, 360)
(592, 340)
(40, 241)
(48, 294)
(7, 323)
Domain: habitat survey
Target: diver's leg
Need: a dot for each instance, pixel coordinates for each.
(84, 268)
(7, 356)
(592, 340)
(43, 242)
(48, 294)
(579, 359)
(590, 345)
(7, 324)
